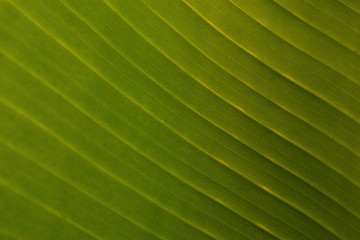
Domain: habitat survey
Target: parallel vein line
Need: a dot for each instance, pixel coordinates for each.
(46, 208)
(177, 98)
(307, 23)
(206, 119)
(348, 6)
(308, 54)
(117, 157)
(165, 55)
(335, 19)
(257, 58)
(277, 133)
(69, 146)
(135, 149)
(44, 128)
(249, 86)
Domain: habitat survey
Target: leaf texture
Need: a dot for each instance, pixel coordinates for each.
(179, 119)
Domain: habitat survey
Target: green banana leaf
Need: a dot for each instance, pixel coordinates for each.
(179, 119)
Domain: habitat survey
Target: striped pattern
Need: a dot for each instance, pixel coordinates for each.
(179, 119)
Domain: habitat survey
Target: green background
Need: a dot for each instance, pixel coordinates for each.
(179, 119)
